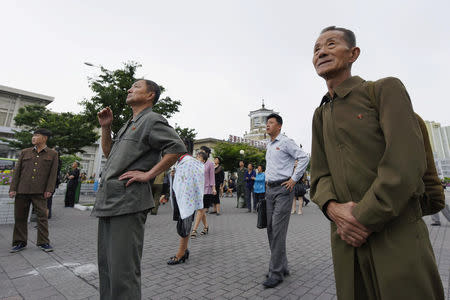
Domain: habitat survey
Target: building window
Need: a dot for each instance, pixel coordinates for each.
(8, 120)
(3, 117)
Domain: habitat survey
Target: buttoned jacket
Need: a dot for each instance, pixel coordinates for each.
(35, 173)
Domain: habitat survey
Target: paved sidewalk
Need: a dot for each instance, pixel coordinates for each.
(229, 263)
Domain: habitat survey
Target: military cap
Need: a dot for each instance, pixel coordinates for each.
(43, 131)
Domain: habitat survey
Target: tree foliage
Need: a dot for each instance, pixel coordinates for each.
(230, 155)
(111, 88)
(67, 161)
(71, 132)
(188, 133)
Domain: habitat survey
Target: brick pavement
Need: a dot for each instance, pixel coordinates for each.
(229, 263)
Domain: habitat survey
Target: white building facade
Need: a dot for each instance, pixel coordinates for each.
(258, 120)
(11, 100)
(440, 144)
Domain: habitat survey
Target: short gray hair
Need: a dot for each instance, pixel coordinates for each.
(349, 36)
(153, 87)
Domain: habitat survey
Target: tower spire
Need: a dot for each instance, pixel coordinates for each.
(263, 106)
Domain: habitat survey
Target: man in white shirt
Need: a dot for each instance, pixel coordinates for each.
(282, 152)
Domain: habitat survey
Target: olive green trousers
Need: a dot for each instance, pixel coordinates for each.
(120, 244)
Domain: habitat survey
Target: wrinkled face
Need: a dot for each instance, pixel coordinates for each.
(138, 94)
(272, 127)
(38, 139)
(332, 54)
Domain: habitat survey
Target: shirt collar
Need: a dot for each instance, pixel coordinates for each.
(35, 149)
(279, 136)
(343, 89)
(146, 110)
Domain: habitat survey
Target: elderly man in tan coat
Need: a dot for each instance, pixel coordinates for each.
(367, 165)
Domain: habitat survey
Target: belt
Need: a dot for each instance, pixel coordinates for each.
(276, 183)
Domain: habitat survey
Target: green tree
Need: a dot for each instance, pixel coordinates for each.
(111, 88)
(230, 155)
(71, 132)
(185, 132)
(67, 161)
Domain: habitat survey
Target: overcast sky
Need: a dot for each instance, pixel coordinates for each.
(220, 58)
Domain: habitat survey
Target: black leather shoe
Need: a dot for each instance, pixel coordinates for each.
(285, 274)
(271, 282)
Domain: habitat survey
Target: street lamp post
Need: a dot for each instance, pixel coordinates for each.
(99, 152)
(92, 65)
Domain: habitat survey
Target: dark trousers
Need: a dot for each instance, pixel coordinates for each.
(248, 197)
(240, 193)
(69, 200)
(21, 209)
(49, 206)
(120, 244)
(279, 204)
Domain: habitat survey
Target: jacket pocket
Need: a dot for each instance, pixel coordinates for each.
(114, 188)
(47, 160)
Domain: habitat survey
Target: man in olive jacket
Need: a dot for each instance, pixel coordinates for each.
(366, 167)
(33, 182)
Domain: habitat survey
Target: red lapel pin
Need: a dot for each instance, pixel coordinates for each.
(360, 116)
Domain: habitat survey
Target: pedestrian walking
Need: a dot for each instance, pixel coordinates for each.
(367, 164)
(34, 182)
(186, 197)
(208, 194)
(249, 182)
(240, 185)
(73, 177)
(143, 148)
(282, 152)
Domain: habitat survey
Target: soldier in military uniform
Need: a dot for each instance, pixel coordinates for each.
(125, 196)
(367, 166)
(34, 182)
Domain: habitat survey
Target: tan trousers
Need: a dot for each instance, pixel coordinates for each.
(21, 210)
